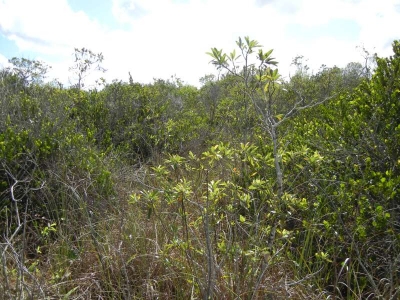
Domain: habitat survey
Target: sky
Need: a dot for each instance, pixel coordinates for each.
(157, 39)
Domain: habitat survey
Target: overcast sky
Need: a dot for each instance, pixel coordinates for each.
(160, 38)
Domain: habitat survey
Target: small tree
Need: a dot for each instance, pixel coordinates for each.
(261, 85)
(85, 61)
(29, 71)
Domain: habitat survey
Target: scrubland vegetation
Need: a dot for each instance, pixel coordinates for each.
(250, 187)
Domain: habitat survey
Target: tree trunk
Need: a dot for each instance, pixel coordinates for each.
(278, 170)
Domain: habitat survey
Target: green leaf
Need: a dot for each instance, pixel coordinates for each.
(232, 56)
(67, 295)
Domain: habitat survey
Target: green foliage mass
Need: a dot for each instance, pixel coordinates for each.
(250, 187)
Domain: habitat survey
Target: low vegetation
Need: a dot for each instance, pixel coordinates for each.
(249, 187)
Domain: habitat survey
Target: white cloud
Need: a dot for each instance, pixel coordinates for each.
(3, 61)
(380, 23)
(51, 28)
(41, 24)
(161, 38)
(125, 11)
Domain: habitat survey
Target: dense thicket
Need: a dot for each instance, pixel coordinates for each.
(249, 187)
